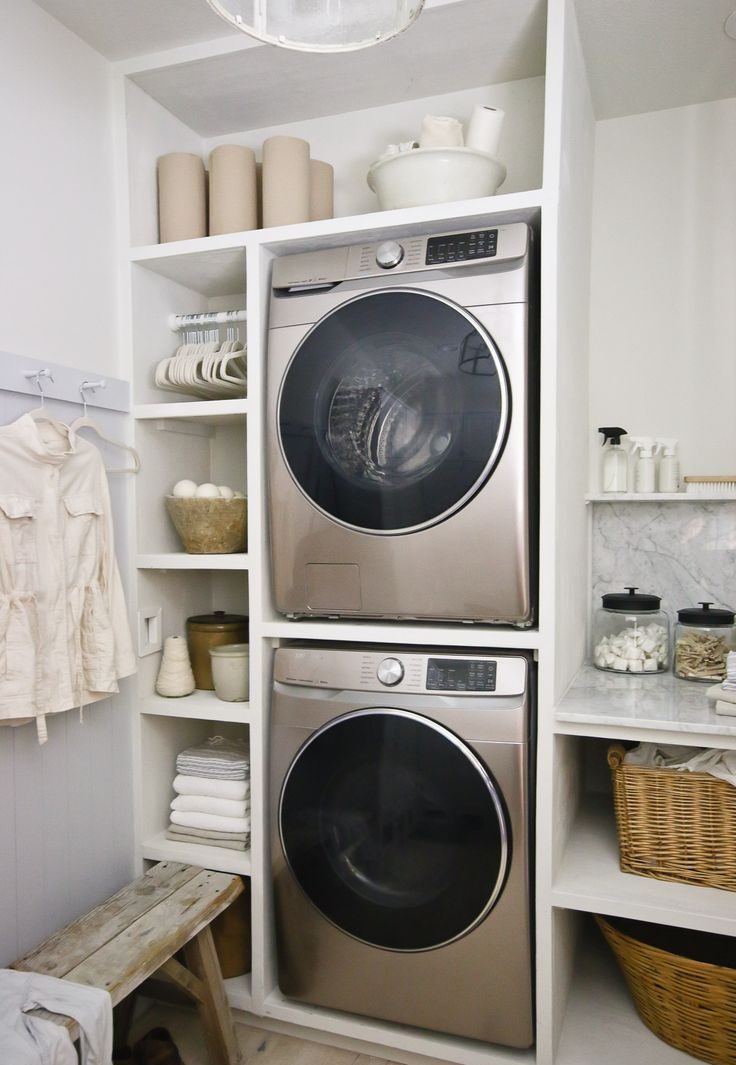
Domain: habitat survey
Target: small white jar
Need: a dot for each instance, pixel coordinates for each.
(230, 672)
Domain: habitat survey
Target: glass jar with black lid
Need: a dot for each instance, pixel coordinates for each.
(703, 637)
(631, 633)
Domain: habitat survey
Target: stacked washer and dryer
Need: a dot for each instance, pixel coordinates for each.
(402, 390)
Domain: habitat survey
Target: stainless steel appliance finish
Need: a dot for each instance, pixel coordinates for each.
(398, 429)
(399, 812)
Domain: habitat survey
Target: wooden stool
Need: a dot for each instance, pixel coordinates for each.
(136, 934)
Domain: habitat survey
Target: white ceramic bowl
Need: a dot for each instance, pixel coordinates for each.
(434, 175)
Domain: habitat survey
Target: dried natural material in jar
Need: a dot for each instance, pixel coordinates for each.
(700, 656)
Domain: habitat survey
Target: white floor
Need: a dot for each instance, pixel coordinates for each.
(257, 1047)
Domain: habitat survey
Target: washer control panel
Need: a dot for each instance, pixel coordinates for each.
(402, 671)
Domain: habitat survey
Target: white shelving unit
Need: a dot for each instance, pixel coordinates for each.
(530, 60)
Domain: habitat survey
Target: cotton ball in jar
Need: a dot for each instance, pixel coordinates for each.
(225, 491)
(184, 489)
(207, 491)
(238, 495)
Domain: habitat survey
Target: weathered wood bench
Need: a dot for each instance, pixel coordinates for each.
(135, 935)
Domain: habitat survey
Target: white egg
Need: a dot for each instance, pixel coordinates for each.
(225, 491)
(184, 489)
(238, 495)
(207, 491)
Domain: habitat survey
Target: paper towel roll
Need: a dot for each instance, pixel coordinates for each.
(438, 131)
(182, 197)
(322, 180)
(285, 181)
(484, 129)
(233, 202)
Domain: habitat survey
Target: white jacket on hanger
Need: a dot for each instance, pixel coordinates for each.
(64, 634)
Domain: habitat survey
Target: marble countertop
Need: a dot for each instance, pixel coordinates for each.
(658, 702)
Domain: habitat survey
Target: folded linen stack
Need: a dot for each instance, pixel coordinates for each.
(729, 684)
(212, 804)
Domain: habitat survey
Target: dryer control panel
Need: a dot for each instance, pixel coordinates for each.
(402, 671)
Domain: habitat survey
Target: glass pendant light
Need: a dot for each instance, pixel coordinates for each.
(319, 25)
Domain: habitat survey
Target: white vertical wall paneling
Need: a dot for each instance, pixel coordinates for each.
(66, 834)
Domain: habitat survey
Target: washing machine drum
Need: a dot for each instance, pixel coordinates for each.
(393, 411)
(395, 830)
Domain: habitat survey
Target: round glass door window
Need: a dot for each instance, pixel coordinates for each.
(395, 830)
(393, 411)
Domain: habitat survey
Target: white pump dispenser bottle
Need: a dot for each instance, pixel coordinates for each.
(644, 475)
(669, 466)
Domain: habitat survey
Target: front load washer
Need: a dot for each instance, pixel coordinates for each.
(401, 400)
(400, 840)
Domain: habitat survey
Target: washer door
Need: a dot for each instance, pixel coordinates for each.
(394, 829)
(393, 411)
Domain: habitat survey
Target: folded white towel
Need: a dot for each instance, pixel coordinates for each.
(718, 691)
(717, 763)
(216, 757)
(220, 824)
(206, 804)
(218, 789)
(727, 709)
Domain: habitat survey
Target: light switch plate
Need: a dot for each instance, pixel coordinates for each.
(150, 629)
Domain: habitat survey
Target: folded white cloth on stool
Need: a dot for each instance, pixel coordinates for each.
(220, 824)
(717, 763)
(205, 804)
(724, 698)
(29, 1040)
(218, 789)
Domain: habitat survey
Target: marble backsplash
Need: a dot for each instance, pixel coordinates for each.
(683, 552)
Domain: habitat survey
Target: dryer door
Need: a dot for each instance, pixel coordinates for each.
(394, 411)
(394, 829)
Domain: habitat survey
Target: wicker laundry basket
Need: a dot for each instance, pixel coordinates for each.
(674, 825)
(687, 1001)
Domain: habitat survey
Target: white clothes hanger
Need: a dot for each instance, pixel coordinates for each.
(86, 422)
(40, 414)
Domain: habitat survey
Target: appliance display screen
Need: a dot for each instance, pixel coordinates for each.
(459, 247)
(461, 675)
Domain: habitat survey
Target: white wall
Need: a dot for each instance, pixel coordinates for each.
(66, 829)
(57, 249)
(663, 317)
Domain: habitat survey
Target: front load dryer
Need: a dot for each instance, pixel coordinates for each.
(399, 802)
(400, 412)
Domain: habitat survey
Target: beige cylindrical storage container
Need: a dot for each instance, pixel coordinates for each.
(212, 630)
(285, 181)
(233, 201)
(230, 672)
(321, 190)
(182, 197)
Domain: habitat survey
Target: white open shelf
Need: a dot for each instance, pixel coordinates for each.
(657, 707)
(589, 879)
(659, 497)
(239, 993)
(431, 634)
(160, 849)
(205, 412)
(212, 266)
(200, 705)
(181, 560)
(601, 1025)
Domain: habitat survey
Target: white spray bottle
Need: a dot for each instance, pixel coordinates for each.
(669, 466)
(615, 460)
(644, 474)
